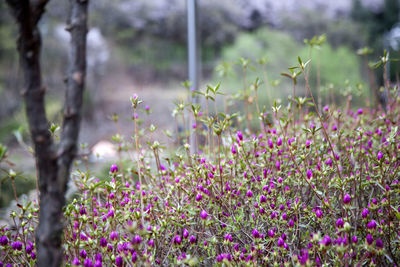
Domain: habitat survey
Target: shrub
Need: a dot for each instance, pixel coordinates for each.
(309, 188)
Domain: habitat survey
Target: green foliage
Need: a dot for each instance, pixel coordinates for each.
(275, 50)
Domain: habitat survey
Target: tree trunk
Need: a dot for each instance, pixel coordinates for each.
(53, 163)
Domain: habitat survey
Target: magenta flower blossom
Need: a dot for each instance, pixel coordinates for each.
(103, 242)
(113, 168)
(380, 155)
(319, 213)
(308, 143)
(309, 173)
(113, 235)
(88, 263)
(239, 135)
(256, 234)
(346, 199)
(3, 240)
(199, 197)
(339, 223)
(83, 253)
(137, 239)
(192, 239)
(279, 141)
(371, 224)
(327, 240)
(177, 239)
(17, 245)
(281, 242)
(379, 243)
(360, 111)
(291, 223)
(271, 233)
(76, 261)
(203, 214)
(263, 199)
(119, 261)
(233, 149)
(278, 165)
(365, 213)
(249, 194)
(185, 233)
(369, 239)
(354, 239)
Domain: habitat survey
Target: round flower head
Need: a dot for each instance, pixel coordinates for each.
(346, 199)
(365, 213)
(256, 234)
(279, 141)
(249, 193)
(309, 173)
(192, 239)
(369, 239)
(203, 214)
(339, 223)
(185, 233)
(371, 224)
(113, 168)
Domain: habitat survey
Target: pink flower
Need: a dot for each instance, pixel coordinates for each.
(203, 214)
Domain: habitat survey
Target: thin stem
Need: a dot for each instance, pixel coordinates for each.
(139, 168)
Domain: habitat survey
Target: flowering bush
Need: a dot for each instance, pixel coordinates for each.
(314, 189)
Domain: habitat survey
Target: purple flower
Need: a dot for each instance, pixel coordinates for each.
(203, 214)
(379, 243)
(88, 263)
(137, 239)
(319, 213)
(233, 149)
(103, 242)
(326, 108)
(291, 223)
(278, 165)
(76, 261)
(249, 193)
(327, 240)
(271, 233)
(339, 223)
(239, 135)
(380, 155)
(281, 242)
(279, 141)
(371, 224)
(346, 199)
(308, 143)
(113, 235)
(369, 239)
(118, 261)
(263, 199)
(256, 234)
(354, 239)
(3, 240)
(360, 111)
(83, 253)
(192, 239)
(177, 239)
(365, 213)
(17, 245)
(98, 264)
(113, 168)
(309, 173)
(199, 197)
(185, 233)
(228, 237)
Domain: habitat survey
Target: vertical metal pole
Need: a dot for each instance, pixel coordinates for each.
(192, 60)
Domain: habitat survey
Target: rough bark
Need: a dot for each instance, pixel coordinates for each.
(52, 162)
